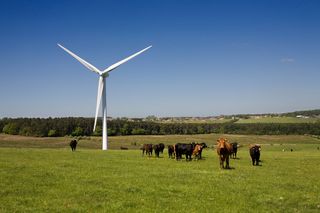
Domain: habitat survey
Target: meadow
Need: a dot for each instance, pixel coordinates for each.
(45, 176)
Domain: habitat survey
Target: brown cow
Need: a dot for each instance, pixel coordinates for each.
(224, 149)
(171, 151)
(147, 148)
(197, 151)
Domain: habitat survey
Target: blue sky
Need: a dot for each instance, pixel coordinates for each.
(208, 57)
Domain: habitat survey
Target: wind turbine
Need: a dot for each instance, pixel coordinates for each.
(102, 89)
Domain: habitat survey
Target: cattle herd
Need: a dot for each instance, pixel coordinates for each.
(225, 150)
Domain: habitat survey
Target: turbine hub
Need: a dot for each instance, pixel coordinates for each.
(105, 75)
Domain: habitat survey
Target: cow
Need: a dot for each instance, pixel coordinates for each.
(147, 148)
(224, 150)
(254, 151)
(157, 149)
(203, 145)
(171, 151)
(196, 153)
(184, 149)
(234, 150)
(161, 146)
(73, 145)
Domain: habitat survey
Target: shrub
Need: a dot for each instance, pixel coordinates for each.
(11, 129)
(52, 133)
(77, 132)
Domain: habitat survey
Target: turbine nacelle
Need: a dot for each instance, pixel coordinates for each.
(104, 75)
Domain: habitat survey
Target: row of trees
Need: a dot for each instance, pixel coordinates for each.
(53, 127)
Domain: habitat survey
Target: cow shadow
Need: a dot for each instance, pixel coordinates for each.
(237, 158)
(230, 168)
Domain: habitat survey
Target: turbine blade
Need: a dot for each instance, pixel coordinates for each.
(112, 67)
(85, 63)
(100, 89)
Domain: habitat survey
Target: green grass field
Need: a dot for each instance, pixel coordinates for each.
(51, 178)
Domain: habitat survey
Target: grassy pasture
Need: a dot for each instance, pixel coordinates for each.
(54, 179)
(135, 141)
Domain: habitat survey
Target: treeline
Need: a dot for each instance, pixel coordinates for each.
(54, 127)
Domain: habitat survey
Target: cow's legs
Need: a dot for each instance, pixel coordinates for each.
(221, 162)
(227, 162)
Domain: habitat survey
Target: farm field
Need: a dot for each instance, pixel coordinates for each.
(54, 179)
(279, 120)
(251, 119)
(135, 141)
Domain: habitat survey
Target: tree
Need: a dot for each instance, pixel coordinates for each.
(151, 118)
(77, 132)
(125, 129)
(138, 131)
(52, 133)
(98, 131)
(11, 129)
(26, 131)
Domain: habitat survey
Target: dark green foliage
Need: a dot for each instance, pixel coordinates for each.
(98, 131)
(77, 132)
(52, 127)
(26, 131)
(52, 133)
(138, 131)
(11, 128)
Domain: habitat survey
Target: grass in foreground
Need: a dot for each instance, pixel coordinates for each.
(56, 180)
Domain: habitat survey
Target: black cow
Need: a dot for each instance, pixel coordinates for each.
(255, 154)
(147, 148)
(184, 149)
(234, 150)
(171, 152)
(158, 148)
(161, 146)
(73, 145)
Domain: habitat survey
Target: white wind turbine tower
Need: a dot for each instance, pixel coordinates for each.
(102, 89)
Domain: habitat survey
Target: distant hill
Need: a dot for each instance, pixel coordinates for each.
(306, 116)
(310, 113)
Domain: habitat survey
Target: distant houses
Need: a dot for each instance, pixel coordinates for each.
(302, 116)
